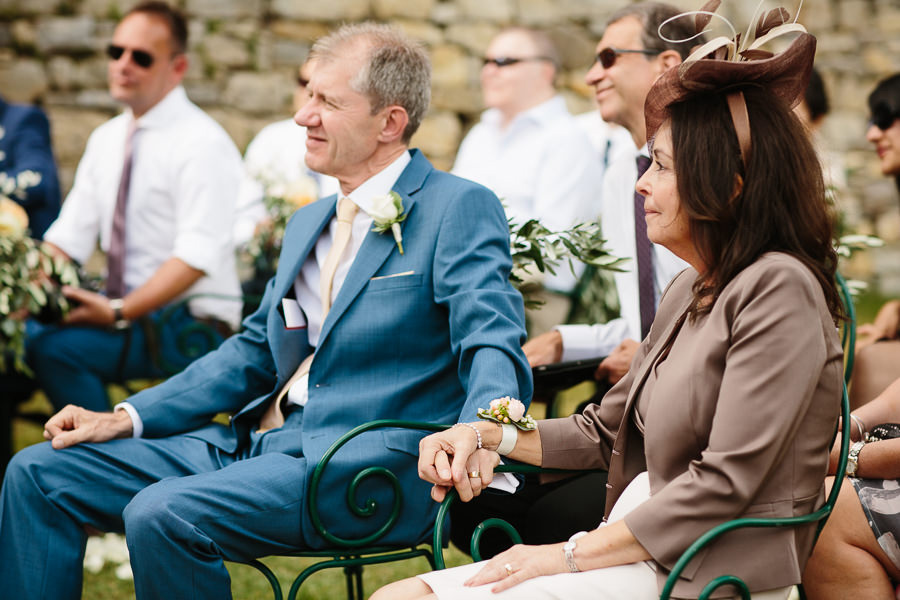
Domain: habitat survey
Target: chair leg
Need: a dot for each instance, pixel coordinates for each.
(353, 576)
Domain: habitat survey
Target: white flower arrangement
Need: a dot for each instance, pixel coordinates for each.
(281, 199)
(508, 411)
(387, 212)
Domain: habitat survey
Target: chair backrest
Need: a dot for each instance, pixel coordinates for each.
(848, 328)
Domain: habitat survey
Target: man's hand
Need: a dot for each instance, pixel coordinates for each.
(74, 425)
(91, 308)
(544, 349)
(885, 327)
(614, 366)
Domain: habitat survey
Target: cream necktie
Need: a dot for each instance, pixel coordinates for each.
(346, 210)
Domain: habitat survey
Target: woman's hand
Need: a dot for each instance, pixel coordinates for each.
(520, 563)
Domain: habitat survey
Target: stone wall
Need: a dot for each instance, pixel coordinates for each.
(244, 54)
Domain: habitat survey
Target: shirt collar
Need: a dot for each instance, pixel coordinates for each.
(380, 183)
(541, 114)
(163, 112)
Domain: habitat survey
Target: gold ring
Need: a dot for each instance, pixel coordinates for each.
(509, 569)
(476, 474)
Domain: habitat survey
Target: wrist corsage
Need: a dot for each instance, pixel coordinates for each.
(508, 411)
(387, 213)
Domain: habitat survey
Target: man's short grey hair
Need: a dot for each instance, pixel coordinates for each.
(651, 15)
(395, 71)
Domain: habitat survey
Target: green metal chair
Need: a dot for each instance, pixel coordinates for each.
(353, 554)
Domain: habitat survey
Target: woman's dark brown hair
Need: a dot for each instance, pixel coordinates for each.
(780, 207)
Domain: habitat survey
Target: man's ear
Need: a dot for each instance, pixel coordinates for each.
(179, 67)
(395, 121)
(668, 59)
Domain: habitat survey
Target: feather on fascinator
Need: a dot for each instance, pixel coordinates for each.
(724, 64)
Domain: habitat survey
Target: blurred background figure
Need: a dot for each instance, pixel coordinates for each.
(812, 110)
(878, 348)
(528, 150)
(25, 146)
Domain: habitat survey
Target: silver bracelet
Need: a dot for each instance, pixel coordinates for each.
(480, 442)
(860, 426)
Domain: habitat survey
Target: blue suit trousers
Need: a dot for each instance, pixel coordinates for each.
(184, 506)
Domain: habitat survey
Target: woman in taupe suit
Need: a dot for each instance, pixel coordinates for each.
(731, 401)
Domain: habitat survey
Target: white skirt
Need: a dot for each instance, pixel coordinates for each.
(635, 581)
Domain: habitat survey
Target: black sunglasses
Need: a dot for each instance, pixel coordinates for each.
(302, 81)
(607, 57)
(505, 61)
(883, 116)
(140, 57)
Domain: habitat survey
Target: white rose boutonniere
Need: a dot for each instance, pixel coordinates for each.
(387, 211)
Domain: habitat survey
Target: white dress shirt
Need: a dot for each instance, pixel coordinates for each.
(617, 223)
(275, 157)
(541, 166)
(184, 179)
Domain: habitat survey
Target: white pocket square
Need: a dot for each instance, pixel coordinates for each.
(403, 274)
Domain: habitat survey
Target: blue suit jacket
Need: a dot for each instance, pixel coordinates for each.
(433, 345)
(25, 145)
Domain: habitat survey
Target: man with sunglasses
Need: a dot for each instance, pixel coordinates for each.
(157, 187)
(528, 150)
(630, 56)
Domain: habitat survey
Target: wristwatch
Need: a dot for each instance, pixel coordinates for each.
(569, 551)
(853, 458)
(119, 321)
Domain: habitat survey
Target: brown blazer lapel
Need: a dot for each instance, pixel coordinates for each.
(620, 474)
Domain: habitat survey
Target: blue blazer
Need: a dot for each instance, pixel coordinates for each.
(432, 345)
(25, 145)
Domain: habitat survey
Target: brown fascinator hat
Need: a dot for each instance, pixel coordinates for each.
(724, 64)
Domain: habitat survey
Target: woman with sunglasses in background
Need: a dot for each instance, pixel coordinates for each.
(878, 347)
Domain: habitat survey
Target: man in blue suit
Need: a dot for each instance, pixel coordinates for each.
(25, 146)
(423, 328)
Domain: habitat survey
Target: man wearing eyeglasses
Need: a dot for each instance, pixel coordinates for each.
(157, 187)
(528, 150)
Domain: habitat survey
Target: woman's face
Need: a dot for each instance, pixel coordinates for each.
(887, 145)
(667, 224)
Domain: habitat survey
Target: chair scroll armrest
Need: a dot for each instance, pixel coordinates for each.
(368, 509)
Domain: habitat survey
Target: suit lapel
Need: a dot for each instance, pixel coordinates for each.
(377, 247)
(314, 219)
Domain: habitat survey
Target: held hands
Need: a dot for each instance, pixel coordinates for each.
(90, 308)
(614, 366)
(74, 425)
(520, 563)
(470, 471)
